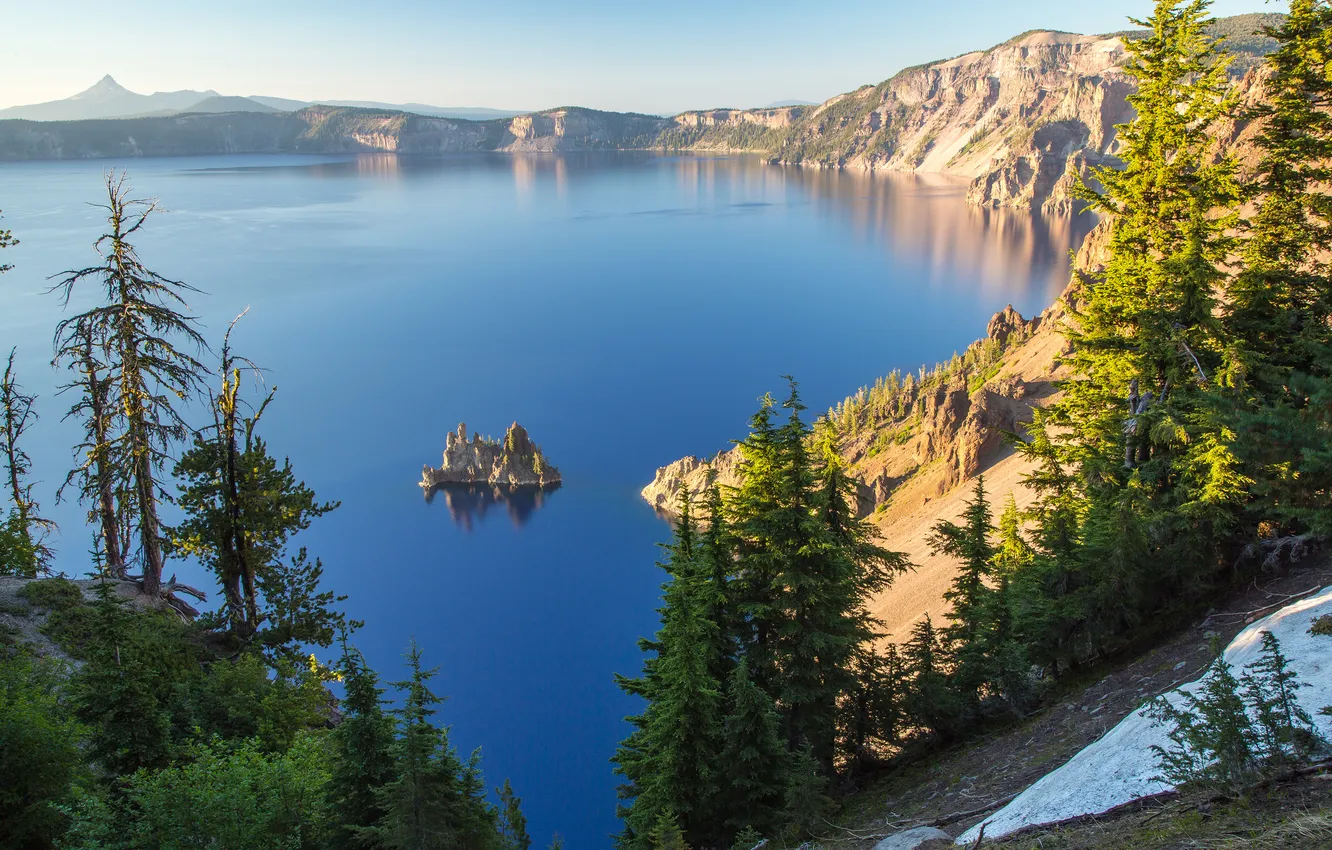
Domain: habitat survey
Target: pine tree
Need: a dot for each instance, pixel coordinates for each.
(241, 507)
(931, 702)
(513, 825)
(754, 758)
(121, 690)
(1278, 310)
(1213, 741)
(1271, 689)
(973, 601)
(23, 548)
(152, 374)
(363, 754)
(431, 802)
(670, 760)
(100, 477)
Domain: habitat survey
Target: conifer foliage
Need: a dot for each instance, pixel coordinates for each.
(149, 348)
(763, 624)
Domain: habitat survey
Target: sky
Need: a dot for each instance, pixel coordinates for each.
(520, 54)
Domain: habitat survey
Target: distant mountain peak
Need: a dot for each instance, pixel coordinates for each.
(106, 87)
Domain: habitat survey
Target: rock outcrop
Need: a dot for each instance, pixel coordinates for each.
(949, 424)
(514, 461)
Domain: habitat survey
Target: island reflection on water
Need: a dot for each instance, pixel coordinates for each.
(469, 504)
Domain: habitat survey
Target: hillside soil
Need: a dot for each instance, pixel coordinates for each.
(962, 786)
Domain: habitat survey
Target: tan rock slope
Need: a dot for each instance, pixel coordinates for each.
(913, 452)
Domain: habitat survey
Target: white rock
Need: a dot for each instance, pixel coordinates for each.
(1119, 767)
(912, 838)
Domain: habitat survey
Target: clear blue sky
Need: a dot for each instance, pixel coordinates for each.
(521, 54)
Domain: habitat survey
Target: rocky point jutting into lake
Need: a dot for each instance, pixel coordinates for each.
(515, 461)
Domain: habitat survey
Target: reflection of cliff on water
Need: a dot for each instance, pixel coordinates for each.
(469, 504)
(919, 216)
(911, 215)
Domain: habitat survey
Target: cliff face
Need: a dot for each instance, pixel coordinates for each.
(325, 129)
(514, 461)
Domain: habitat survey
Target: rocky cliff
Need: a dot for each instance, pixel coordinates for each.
(325, 129)
(1021, 119)
(514, 461)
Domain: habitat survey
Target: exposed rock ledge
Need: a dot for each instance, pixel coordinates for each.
(949, 426)
(514, 461)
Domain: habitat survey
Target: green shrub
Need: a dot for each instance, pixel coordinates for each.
(228, 797)
(39, 751)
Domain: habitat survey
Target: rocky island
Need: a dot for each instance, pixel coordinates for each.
(513, 462)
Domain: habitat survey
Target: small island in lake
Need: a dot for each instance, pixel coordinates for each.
(513, 462)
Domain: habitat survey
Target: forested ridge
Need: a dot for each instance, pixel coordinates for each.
(1186, 450)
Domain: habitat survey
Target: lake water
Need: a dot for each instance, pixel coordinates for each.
(627, 309)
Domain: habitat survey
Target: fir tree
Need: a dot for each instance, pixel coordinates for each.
(807, 804)
(241, 507)
(420, 802)
(1278, 310)
(363, 754)
(972, 600)
(754, 758)
(1271, 689)
(670, 760)
(1213, 742)
(513, 825)
(151, 372)
(931, 703)
(122, 690)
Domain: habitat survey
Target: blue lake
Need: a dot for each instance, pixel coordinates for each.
(626, 308)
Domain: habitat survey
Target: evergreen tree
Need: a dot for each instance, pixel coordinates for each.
(23, 549)
(123, 690)
(754, 758)
(241, 507)
(513, 825)
(1213, 742)
(671, 758)
(363, 754)
(1271, 689)
(152, 375)
(973, 601)
(807, 804)
(1051, 594)
(426, 805)
(752, 515)
(716, 557)
(1278, 310)
(100, 476)
(931, 702)
(1142, 409)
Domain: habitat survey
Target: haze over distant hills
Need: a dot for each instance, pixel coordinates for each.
(109, 99)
